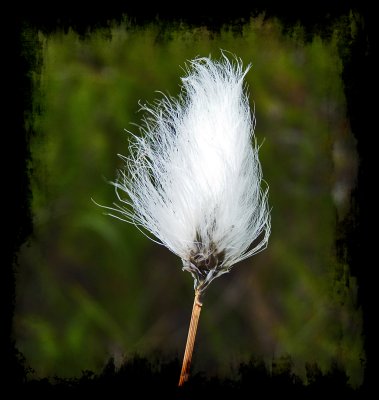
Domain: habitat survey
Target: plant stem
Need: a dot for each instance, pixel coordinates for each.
(190, 339)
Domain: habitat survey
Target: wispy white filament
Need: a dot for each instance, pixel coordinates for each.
(193, 177)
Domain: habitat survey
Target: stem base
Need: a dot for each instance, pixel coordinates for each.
(190, 339)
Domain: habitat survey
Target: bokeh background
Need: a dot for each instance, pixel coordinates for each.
(90, 287)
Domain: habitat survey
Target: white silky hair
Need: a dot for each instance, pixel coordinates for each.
(193, 178)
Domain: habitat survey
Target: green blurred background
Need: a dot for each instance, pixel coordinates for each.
(90, 287)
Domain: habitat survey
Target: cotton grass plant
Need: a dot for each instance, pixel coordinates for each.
(193, 179)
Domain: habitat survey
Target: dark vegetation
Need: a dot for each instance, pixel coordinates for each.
(140, 377)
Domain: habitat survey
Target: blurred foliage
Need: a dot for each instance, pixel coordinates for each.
(156, 378)
(91, 287)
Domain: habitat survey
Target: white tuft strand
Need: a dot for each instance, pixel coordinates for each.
(193, 177)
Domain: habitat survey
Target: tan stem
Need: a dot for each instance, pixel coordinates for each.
(190, 339)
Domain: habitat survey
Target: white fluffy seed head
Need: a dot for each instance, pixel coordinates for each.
(193, 177)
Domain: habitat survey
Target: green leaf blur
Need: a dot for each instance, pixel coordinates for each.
(91, 287)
